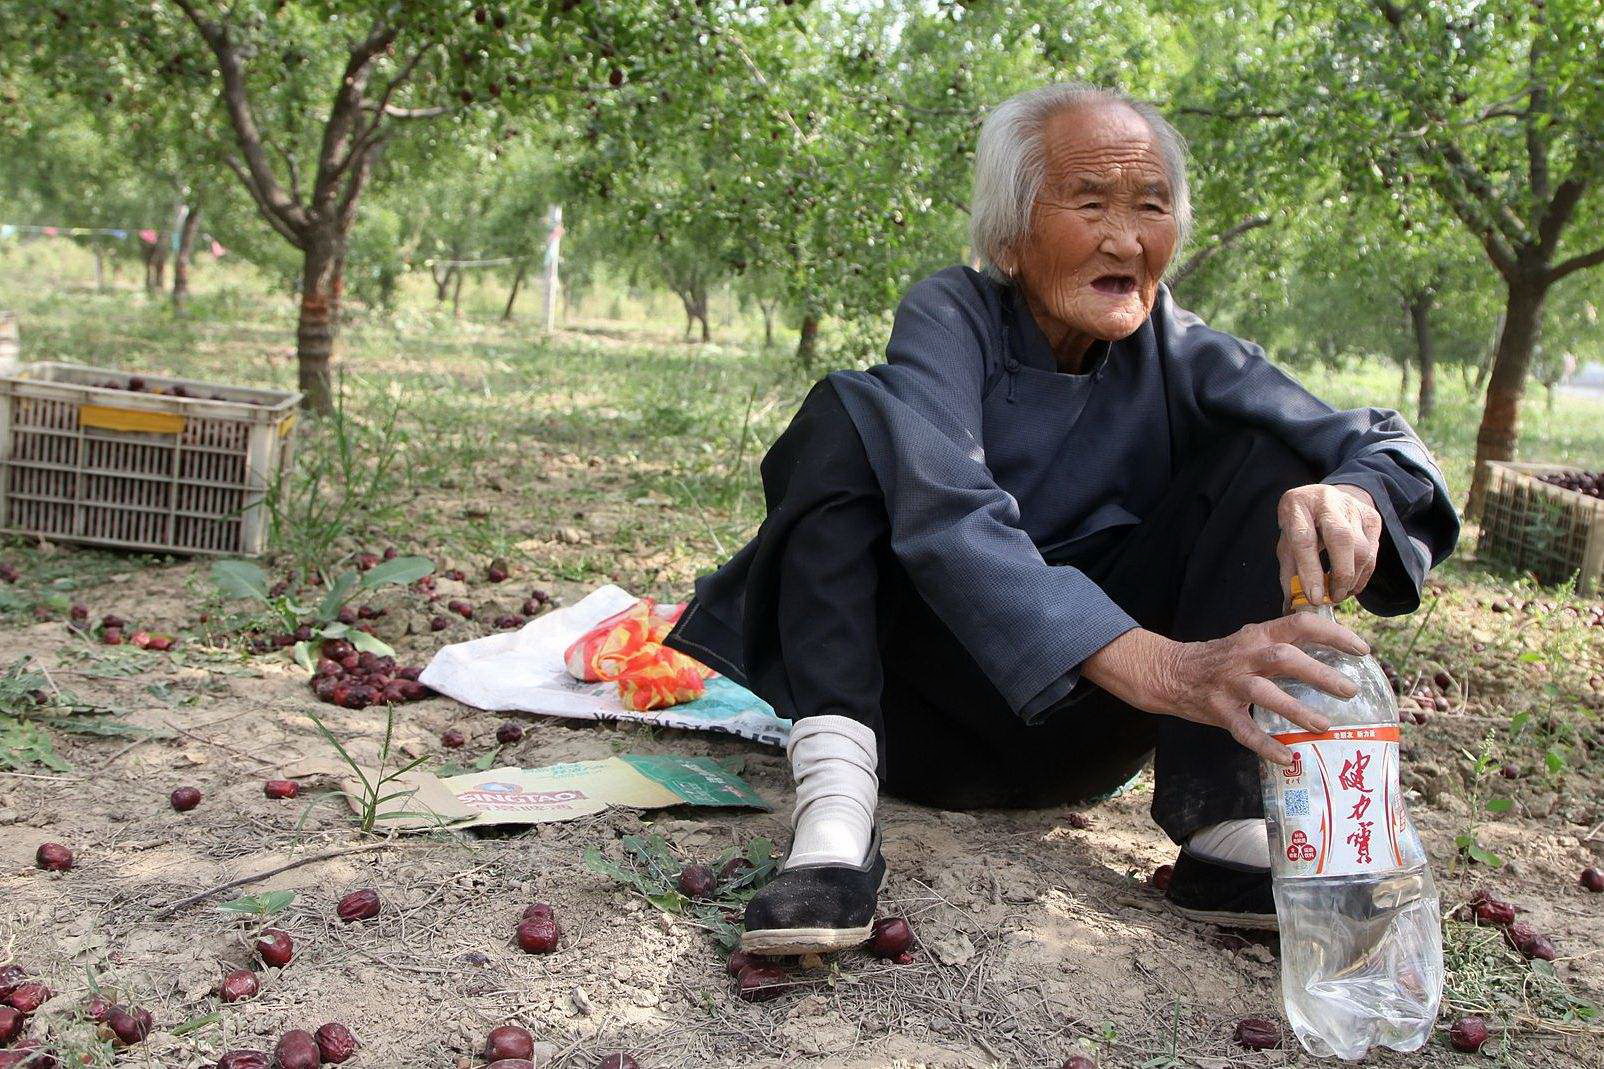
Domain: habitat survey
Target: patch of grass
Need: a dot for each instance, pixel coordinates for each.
(31, 705)
(1487, 977)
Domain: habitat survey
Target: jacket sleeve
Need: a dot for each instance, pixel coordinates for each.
(1028, 624)
(1371, 448)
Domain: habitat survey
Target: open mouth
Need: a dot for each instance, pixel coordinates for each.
(1114, 285)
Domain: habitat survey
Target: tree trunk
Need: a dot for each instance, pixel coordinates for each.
(807, 342)
(315, 330)
(768, 324)
(442, 283)
(701, 314)
(181, 260)
(1500, 419)
(100, 266)
(1486, 363)
(155, 265)
(1425, 353)
(456, 298)
(690, 314)
(512, 295)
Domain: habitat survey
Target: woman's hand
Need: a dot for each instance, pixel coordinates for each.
(1344, 522)
(1215, 682)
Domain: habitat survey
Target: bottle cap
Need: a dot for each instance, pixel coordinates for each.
(1300, 600)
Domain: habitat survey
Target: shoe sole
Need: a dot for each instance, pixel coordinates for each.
(1257, 922)
(775, 942)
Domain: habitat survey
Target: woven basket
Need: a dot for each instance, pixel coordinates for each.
(1540, 528)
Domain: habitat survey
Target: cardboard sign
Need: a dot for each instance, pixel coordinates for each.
(512, 795)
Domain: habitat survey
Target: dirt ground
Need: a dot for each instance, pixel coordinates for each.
(1037, 939)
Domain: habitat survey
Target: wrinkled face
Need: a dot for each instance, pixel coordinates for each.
(1103, 229)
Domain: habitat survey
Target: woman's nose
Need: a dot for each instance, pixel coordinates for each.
(1120, 239)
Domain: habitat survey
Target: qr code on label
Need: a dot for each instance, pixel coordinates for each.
(1296, 802)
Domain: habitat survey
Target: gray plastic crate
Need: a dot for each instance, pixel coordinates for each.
(83, 461)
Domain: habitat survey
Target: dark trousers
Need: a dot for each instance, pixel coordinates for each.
(853, 637)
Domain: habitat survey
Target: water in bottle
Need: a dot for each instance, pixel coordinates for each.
(1361, 936)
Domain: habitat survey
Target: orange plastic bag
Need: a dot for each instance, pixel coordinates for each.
(658, 677)
(601, 653)
(627, 648)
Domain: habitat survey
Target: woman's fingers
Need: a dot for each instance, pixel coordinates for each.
(1285, 661)
(1249, 734)
(1302, 536)
(1278, 701)
(1338, 536)
(1369, 550)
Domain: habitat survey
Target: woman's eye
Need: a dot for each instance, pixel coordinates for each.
(1155, 207)
(1092, 204)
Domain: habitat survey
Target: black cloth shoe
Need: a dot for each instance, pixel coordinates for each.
(816, 909)
(1222, 893)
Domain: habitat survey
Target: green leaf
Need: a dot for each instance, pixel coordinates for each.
(1519, 720)
(1555, 761)
(1499, 805)
(303, 655)
(265, 903)
(1485, 856)
(335, 599)
(240, 579)
(366, 642)
(195, 1024)
(401, 570)
(1531, 656)
(669, 901)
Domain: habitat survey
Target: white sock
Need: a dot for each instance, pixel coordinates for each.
(1244, 842)
(833, 762)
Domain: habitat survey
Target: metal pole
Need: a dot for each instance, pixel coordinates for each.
(554, 237)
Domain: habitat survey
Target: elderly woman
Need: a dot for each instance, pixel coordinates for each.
(1053, 533)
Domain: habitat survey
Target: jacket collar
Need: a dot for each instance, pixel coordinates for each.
(1030, 346)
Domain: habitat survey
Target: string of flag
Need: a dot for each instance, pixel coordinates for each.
(148, 235)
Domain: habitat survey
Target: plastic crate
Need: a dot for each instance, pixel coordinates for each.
(10, 344)
(1540, 528)
(82, 462)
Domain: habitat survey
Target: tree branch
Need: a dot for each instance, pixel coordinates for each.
(1576, 263)
(1251, 113)
(1536, 140)
(340, 148)
(289, 165)
(281, 210)
(1558, 212)
(1498, 250)
(1475, 183)
(1220, 241)
(289, 233)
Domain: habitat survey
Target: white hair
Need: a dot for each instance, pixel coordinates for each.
(1011, 162)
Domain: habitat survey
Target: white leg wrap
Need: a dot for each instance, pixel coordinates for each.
(1244, 842)
(833, 762)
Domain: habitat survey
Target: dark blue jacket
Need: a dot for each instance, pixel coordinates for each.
(988, 456)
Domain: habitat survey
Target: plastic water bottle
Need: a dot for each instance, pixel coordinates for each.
(1361, 935)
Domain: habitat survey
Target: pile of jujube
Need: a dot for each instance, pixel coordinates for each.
(113, 630)
(331, 1044)
(1483, 908)
(138, 385)
(1590, 483)
(356, 680)
(20, 997)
